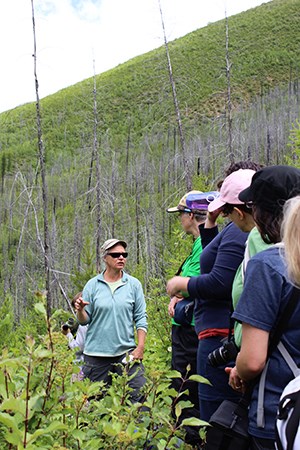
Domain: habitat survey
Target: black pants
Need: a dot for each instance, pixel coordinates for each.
(184, 353)
(98, 368)
(261, 444)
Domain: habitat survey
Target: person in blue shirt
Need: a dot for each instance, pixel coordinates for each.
(267, 289)
(221, 256)
(192, 210)
(113, 305)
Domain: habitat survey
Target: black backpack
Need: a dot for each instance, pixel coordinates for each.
(288, 417)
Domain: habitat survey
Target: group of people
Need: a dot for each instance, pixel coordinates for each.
(246, 280)
(238, 280)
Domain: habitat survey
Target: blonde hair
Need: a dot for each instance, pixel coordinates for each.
(290, 231)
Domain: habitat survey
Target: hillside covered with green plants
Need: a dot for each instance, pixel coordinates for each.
(114, 158)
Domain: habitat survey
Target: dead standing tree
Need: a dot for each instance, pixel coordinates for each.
(188, 178)
(98, 175)
(228, 100)
(41, 149)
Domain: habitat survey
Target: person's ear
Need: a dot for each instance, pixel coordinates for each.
(240, 213)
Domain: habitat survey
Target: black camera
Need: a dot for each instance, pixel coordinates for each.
(225, 354)
(70, 323)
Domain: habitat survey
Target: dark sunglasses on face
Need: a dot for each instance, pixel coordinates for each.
(118, 254)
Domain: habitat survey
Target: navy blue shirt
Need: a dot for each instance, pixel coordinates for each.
(264, 297)
(212, 289)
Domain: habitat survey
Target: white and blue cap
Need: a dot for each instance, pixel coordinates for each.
(194, 201)
(201, 202)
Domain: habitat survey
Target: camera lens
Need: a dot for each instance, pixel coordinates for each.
(70, 322)
(65, 326)
(216, 358)
(225, 354)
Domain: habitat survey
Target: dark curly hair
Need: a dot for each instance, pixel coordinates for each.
(240, 165)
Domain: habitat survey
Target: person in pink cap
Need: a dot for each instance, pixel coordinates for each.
(221, 256)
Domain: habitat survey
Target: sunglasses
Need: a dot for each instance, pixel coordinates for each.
(118, 254)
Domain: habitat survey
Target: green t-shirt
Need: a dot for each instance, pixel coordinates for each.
(191, 266)
(255, 244)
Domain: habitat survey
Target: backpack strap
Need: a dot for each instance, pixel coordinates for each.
(260, 418)
(288, 359)
(262, 382)
(245, 260)
(180, 268)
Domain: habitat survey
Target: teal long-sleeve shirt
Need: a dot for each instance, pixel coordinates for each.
(113, 316)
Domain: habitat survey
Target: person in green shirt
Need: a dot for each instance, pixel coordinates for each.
(254, 244)
(192, 211)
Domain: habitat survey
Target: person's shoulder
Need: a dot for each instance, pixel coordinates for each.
(231, 230)
(131, 279)
(256, 243)
(269, 252)
(94, 280)
(271, 257)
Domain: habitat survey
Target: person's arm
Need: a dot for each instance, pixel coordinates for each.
(228, 248)
(176, 285)
(139, 312)
(251, 360)
(173, 302)
(138, 352)
(207, 234)
(140, 319)
(82, 315)
(79, 340)
(258, 310)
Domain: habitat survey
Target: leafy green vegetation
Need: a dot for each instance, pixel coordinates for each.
(140, 173)
(43, 405)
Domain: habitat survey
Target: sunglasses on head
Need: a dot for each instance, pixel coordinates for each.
(118, 254)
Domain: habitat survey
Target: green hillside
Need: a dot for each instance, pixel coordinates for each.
(264, 47)
(141, 169)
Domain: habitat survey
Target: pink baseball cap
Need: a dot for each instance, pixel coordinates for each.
(231, 187)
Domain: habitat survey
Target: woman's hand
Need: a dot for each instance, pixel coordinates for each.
(211, 218)
(235, 380)
(174, 300)
(80, 304)
(176, 285)
(138, 352)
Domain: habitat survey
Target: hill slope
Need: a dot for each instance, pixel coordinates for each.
(264, 47)
(141, 169)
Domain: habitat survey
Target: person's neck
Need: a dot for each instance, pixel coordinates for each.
(195, 230)
(112, 275)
